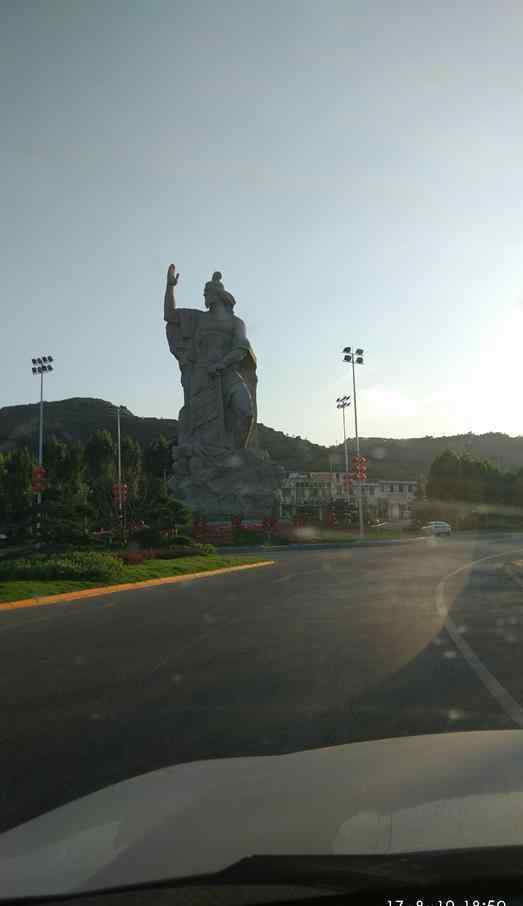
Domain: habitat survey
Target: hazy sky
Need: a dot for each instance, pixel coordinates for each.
(355, 170)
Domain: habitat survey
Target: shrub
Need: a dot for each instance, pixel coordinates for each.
(166, 553)
(182, 539)
(89, 565)
(151, 537)
(205, 549)
(133, 557)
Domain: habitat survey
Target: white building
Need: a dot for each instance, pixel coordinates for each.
(387, 500)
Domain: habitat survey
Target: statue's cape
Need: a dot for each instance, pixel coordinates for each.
(181, 330)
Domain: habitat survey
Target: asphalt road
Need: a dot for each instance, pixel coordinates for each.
(322, 648)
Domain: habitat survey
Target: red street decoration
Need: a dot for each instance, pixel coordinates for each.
(38, 481)
(359, 467)
(236, 521)
(116, 493)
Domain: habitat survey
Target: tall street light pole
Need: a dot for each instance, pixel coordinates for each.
(342, 403)
(120, 487)
(355, 357)
(41, 365)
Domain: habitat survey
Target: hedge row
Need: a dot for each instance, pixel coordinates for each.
(92, 565)
(195, 550)
(89, 565)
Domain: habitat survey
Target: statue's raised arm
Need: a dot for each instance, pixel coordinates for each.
(169, 300)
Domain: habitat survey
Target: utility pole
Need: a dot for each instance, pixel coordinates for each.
(356, 357)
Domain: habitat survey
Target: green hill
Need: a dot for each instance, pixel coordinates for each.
(79, 417)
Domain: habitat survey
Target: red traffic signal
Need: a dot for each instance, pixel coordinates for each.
(38, 473)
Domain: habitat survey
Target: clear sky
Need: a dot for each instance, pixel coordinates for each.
(355, 170)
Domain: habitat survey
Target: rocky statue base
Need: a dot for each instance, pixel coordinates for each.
(232, 483)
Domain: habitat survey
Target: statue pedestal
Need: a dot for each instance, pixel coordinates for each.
(240, 482)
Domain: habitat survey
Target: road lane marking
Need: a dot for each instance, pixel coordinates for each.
(498, 692)
(128, 586)
(286, 578)
(509, 569)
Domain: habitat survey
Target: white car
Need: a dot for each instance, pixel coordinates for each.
(436, 528)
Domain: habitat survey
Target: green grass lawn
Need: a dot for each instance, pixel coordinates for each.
(151, 569)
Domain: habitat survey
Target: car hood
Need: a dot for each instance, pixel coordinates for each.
(445, 791)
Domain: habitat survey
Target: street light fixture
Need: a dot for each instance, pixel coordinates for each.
(355, 357)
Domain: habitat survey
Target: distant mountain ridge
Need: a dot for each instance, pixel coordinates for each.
(389, 458)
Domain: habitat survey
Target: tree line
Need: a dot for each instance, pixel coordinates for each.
(470, 492)
(79, 497)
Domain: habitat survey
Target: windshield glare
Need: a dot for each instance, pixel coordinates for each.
(261, 453)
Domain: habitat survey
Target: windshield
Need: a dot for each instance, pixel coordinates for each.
(261, 477)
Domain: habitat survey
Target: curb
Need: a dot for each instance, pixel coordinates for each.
(127, 586)
(323, 546)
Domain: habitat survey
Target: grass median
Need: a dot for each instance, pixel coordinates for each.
(19, 589)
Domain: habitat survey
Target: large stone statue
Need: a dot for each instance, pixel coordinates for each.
(216, 465)
(218, 370)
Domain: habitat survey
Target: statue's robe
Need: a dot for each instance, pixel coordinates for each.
(198, 340)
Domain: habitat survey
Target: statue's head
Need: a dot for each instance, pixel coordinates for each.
(214, 291)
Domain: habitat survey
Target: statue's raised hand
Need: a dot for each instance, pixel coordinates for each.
(172, 276)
